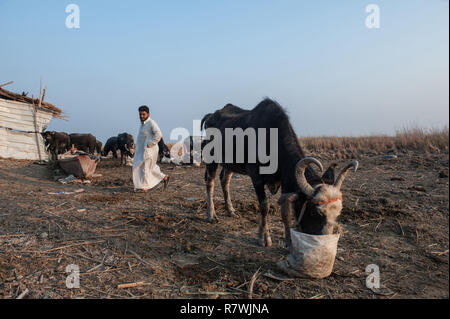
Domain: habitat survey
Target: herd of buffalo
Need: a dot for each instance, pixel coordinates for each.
(58, 143)
(313, 201)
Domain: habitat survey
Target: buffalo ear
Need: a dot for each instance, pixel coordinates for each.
(328, 177)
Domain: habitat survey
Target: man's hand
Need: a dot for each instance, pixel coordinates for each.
(149, 145)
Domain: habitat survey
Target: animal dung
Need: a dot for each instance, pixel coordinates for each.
(311, 255)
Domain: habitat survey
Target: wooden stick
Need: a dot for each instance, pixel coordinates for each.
(381, 220)
(237, 289)
(401, 228)
(94, 268)
(252, 283)
(242, 285)
(14, 235)
(440, 253)
(43, 94)
(8, 83)
(132, 285)
(140, 258)
(106, 293)
(220, 293)
(23, 294)
(40, 95)
(73, 245)
(272, 276)
(216, 262)
(36, 126)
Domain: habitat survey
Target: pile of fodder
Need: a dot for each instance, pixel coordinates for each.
(406, 140)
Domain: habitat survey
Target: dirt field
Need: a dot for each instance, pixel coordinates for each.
(396, 215)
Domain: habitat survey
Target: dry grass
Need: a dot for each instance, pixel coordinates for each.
(405, 140)
(428, 141)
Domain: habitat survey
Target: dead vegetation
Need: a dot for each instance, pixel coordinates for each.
(159, 245)
(431, 141)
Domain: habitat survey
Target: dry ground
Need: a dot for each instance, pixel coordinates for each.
(396, 215)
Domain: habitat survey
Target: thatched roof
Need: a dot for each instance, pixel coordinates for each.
(7, 95)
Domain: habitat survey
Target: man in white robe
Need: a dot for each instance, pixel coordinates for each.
(146, 172)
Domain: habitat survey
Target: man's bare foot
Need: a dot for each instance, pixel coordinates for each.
(166, 181)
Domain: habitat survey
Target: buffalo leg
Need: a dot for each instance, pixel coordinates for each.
(210, 176)
(286, 215)
(54, 155)
(263, 231)
(225, 178)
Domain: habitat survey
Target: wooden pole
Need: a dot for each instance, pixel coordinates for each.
(35, 122)
(43, 94)
(40, 95)
(10, 82)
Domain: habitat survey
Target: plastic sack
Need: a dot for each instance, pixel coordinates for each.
(311, 255)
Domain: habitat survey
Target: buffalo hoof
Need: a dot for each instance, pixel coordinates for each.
(265, 241)
(233, 213)
(212, 219)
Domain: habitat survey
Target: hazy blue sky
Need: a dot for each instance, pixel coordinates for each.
(186, 58)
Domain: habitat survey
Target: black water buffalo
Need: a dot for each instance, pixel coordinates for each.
(315, 200)
(99, 146)
(126, 146)
(56, 143)
(84, 142)
(163, 150)
(112, 145)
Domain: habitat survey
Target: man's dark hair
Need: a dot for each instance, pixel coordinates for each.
(144, 108)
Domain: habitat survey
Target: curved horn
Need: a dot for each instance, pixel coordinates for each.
(205, 118)
(344, 172)
(305, 187)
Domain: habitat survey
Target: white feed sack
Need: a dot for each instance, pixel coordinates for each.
(311, 255)
(180, 152)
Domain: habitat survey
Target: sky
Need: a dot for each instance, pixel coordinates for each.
(185, 58)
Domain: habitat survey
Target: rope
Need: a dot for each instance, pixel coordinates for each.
(19, 131)
(297, 223)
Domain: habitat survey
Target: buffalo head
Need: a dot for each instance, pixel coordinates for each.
(126, 142)
(49, 137)
(318, 214)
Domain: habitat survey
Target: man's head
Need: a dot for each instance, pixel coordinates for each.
(144, 113)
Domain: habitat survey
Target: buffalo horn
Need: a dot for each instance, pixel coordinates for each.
(344, 172)
(305, 187)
